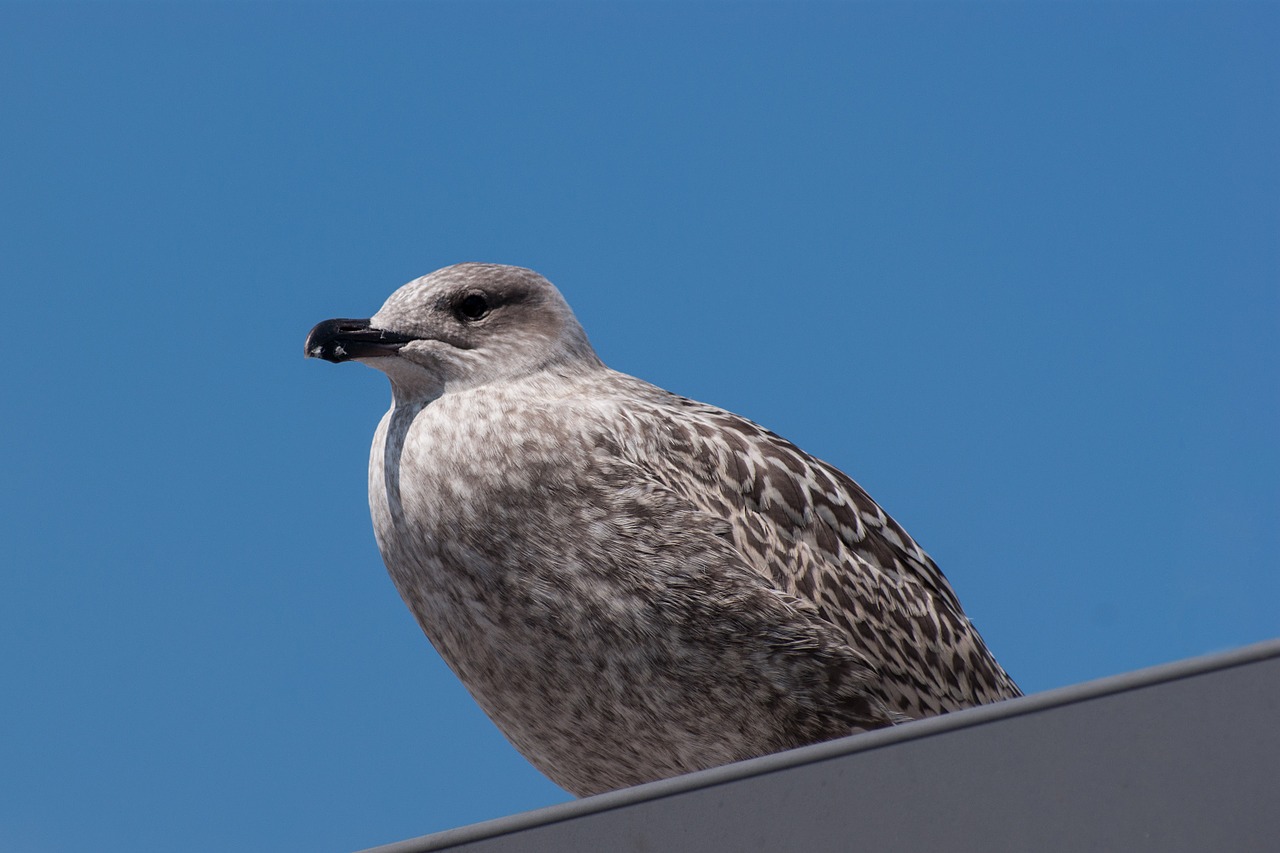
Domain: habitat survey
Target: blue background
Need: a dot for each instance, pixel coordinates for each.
(1013, 267)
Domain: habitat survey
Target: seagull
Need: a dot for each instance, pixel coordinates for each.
(634, 585)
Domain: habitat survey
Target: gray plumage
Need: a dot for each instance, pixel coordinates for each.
(631, 584)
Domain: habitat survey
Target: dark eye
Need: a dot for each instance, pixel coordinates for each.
(473, 307)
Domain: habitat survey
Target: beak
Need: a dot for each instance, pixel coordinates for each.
(343, 340)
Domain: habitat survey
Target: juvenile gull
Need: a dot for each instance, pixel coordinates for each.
(634, 585)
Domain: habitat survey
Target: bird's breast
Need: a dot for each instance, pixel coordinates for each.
(459, 491)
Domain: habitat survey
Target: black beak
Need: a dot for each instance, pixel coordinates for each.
(343, 340)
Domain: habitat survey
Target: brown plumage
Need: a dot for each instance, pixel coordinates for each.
(634, 585)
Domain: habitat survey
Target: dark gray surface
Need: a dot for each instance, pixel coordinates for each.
(1183, 757)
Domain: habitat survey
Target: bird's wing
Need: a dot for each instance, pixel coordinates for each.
(729, 623)
(815, 533)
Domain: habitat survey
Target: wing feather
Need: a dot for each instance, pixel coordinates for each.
(816, 534)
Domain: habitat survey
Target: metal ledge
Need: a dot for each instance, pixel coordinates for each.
(1180, 757)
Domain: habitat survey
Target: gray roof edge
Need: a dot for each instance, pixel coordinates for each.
(916, 729)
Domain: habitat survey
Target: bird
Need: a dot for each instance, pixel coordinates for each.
(631, 584)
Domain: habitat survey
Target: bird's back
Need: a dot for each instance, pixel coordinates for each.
(816, 534)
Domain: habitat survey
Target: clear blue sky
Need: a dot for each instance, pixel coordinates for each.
(1013, 267)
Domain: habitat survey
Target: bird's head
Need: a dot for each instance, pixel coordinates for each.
(460, 327)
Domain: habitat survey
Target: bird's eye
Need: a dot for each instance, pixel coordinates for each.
(473, 307)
